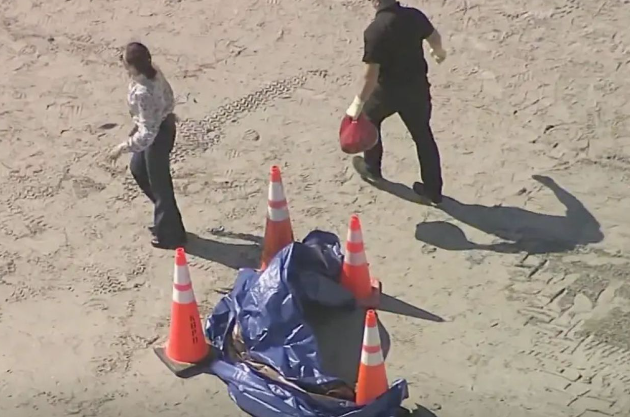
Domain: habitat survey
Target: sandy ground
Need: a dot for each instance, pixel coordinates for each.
(531, 272)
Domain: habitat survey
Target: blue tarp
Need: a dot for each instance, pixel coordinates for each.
(268, 354)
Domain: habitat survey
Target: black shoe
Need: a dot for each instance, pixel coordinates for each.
(421, 190)
(169, 245)
(151, 229)
(366, 172)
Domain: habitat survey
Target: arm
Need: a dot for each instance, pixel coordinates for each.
(429, 33)
(148, 122)
(435, 43)
(435, 40)
(373, 57)
(574, 207)
(370, 80)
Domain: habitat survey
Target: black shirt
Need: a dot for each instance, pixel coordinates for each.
(394, 40)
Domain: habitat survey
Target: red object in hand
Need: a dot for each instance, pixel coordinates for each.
(357, 136)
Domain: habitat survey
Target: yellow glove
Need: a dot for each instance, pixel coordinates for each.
(355, 108)
(438, 54)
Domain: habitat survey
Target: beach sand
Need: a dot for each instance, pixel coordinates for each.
(527, 261)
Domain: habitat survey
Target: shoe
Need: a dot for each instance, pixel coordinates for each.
(168, 245)
(151, 229)
(421, 190)
(366, 172)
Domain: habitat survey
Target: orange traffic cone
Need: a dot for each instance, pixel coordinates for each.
(186, 348)
(278, 231)
(356, 274)
(372, 380)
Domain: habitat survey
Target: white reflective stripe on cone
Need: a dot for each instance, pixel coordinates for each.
(183, 297)
(372, 359)
(181, 276)
(371, 337)
(356, 259)
(355, 236)
(276, 191)
(278, 215)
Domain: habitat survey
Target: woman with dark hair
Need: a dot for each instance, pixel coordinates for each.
(151, 104)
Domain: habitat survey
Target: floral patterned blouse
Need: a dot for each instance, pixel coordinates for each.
(150, 102)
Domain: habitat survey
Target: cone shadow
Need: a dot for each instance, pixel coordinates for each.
(339, 335)
(182, 370)
(393, 305)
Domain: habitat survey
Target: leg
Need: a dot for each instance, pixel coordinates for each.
(169, 229)
(416, 114)
(138, 168)
(377, 109)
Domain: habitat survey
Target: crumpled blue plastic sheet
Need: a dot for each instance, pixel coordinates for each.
(272, 367)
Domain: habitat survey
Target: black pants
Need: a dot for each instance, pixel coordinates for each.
(413, 105)
(152, 171)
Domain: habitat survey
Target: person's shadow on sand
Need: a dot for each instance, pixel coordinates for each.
(232, 255)
(522, 230)
(418, 411)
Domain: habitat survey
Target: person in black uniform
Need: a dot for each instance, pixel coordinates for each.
(396, 82)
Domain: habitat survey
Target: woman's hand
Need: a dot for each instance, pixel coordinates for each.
(117, 151)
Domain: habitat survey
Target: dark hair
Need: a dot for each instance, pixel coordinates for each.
(138, 56)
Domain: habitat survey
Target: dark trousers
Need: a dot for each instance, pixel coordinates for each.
(413, 105)
(152, 171)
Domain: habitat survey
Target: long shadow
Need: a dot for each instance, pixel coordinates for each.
(418, 411)
(232, 255)
(395, 306)
(394, 188)
(235, 235)
(397, 189)
(339, 334)
(521, 230)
